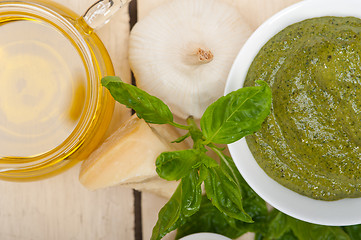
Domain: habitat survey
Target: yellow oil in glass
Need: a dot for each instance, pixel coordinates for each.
(53, 110)
(43, 88)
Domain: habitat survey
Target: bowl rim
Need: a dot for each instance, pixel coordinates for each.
(333, 213)
(205, 235)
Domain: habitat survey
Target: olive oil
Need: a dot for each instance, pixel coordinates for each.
(42, 88)
(53, 109)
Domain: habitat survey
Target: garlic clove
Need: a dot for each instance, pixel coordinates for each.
(183, 50)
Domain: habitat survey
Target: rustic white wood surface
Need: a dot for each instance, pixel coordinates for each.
(60, 208)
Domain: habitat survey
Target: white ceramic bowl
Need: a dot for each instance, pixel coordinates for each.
(336, 213)
(205, 236)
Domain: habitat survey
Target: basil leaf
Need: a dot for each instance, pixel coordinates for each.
(209, 219)
(169, 216)
(191, 194)
(354, 231)
(175, 165)
(238, 114)
(203, 173)
(258, 236)
(230, 169)
(253, 204)
(184, 202)
(280, 225)
(288, 236)
(305, 231)
(148, 107)
(206, 160)
(224, 193)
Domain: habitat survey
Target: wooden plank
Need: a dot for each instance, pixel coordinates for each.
(60, 208)
(151, 204)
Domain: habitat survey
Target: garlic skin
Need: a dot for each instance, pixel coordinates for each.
(182, 52)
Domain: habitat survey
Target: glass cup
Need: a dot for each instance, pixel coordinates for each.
(53, 109)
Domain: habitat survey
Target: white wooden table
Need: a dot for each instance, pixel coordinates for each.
(59, 208)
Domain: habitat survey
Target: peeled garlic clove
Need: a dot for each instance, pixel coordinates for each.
(128, 157)
(183, 50)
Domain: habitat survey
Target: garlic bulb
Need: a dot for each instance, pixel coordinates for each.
(182, 52)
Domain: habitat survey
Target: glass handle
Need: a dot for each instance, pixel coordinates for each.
(101, 12)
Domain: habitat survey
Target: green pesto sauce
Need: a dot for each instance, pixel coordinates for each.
(310, 143)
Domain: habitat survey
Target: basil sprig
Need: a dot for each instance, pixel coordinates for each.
(272, 225)
(227, 120)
